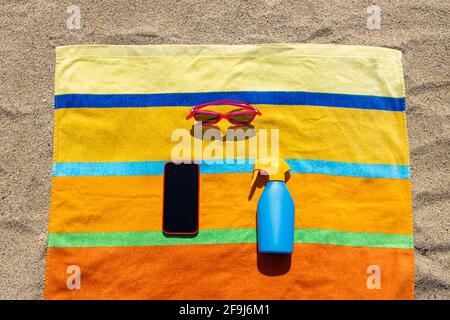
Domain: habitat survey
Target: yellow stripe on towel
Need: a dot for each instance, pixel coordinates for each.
(144, 134)
(157, 69)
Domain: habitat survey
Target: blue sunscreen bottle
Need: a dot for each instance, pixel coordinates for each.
(276, 209)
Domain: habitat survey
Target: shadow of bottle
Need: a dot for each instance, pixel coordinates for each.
(272, 264)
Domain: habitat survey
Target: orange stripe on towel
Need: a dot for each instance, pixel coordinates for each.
(127, 204)
(229, 272)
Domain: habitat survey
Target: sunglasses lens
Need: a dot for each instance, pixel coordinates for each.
(243, 118)
(206, 117)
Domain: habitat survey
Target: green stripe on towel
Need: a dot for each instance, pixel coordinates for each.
(225, 236)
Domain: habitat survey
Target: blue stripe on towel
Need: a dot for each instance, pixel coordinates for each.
(253, 97)
(297, 166)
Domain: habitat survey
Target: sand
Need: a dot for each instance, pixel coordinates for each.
(30, 30)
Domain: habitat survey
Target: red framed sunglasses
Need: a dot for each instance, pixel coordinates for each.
(242, 117)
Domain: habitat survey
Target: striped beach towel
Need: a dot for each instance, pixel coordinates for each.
(340, 112)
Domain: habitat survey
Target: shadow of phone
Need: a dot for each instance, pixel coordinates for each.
(180, 236)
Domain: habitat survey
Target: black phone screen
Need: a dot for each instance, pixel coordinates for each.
(180, 204)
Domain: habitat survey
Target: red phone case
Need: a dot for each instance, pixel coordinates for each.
(198, 207)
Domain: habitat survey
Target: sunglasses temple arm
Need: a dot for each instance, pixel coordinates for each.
(190, 115)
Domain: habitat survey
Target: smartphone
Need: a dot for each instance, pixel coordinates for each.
(181, 198)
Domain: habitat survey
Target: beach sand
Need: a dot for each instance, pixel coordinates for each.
(30, 30)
